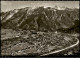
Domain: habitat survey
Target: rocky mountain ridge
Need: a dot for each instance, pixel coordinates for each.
(40, 19)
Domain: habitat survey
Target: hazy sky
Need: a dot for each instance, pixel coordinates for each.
(10, 5)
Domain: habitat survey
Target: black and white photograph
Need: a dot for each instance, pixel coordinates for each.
(39, 28)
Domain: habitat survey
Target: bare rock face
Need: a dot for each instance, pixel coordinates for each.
(40, 19)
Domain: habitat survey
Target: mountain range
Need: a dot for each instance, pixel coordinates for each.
(41, 19)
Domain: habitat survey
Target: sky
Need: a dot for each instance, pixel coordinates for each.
(10, 5)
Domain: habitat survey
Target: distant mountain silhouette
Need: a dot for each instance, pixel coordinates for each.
(40, 19)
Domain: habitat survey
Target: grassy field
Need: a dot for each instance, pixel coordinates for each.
(8, 33)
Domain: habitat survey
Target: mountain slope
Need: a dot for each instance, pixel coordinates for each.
(40, 19)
